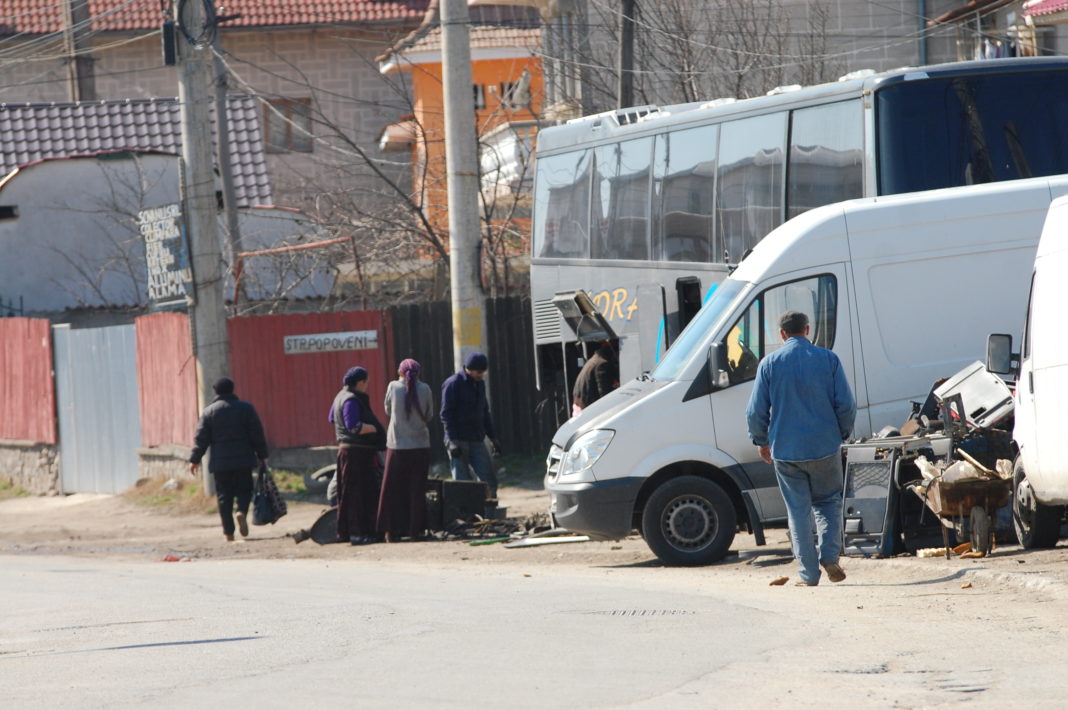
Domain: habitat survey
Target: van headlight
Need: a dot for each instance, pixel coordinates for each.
(579, 460)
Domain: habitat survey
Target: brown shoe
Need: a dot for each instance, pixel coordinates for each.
(834, 572)
(242, 524)
(229, 538)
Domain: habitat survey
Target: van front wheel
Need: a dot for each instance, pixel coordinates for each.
(689, 521)
(1037, 525)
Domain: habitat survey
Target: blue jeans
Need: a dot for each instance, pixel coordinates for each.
(813, 489)
(474, 457)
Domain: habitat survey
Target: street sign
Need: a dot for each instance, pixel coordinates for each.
(170, 278)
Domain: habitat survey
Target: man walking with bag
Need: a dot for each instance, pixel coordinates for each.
(232, 430)
(800, 412)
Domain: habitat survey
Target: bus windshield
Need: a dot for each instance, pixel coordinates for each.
(695, 334)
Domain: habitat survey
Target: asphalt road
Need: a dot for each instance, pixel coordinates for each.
(97, 633)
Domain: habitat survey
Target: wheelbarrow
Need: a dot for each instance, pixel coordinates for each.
(967, 506)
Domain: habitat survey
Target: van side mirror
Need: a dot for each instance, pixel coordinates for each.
(999, 354)
(711, 377)
(717, 361)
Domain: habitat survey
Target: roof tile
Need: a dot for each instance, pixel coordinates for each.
(36, 132)
(44, 16)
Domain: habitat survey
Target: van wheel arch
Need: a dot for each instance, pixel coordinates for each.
(692, 468)
(1037, 525)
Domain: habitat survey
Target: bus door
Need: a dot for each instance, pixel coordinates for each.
(586, 321)
(651, 331)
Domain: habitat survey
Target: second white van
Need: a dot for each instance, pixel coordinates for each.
(1040, 475)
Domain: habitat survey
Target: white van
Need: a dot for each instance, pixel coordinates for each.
(1040, 475)
(902, 288)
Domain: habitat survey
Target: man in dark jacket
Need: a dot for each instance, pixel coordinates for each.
(466, 417)
(233, 431)
(598, 377)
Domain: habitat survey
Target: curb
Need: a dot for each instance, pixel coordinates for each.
(1037, 581)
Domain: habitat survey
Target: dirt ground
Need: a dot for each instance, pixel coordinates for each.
(119, 528)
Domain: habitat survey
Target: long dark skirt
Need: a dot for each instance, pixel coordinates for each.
(357, 492)
(402, 506)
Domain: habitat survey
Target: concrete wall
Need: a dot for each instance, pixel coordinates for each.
(76, 244)
(30, 466)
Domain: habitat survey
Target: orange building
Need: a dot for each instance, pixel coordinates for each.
(507, 84)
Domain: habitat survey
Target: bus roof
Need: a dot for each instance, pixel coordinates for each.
(641, 120)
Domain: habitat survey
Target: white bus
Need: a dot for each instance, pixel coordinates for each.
(648, 209)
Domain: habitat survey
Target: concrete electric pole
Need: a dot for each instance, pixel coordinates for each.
(207, 314)
(461, 162)
(81, 83)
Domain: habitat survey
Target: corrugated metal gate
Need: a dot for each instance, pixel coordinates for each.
(99, 417)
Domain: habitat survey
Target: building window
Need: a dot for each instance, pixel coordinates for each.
(508, 90)
(480, 96)
(287, 126)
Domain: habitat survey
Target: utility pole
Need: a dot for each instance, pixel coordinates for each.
(461, 163)
(211, 346)
(222, 149)
(625, 65)
(81, 84)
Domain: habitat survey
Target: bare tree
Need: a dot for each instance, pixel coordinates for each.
(393, 211)
(690, 50)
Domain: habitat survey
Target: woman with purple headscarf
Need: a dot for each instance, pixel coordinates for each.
(360, 437)
(410, 407)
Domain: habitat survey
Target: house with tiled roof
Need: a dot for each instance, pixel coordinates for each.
(310, 64)
(34, 132)
(74, 179)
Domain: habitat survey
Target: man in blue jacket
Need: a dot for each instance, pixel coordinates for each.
(466, 416)
(233, 431)
(800, 412)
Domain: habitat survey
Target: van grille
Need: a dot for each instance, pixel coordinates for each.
(552, 467)
(546, 321)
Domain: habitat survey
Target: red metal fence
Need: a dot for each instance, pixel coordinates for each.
(27, 392)
(167, 380)
(293, 392)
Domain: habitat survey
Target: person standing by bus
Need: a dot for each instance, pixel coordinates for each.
(466, 416)
(410, 407)
(360, 437)
(232, 430)
(800, 412)
(598, 377)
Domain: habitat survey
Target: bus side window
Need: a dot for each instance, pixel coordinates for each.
(749, 182)
(620, 200)
(826, 156)
(562, 206)
(684, 178)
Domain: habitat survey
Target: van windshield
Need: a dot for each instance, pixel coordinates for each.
(697, 332)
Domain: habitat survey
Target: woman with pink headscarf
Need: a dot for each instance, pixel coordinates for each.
(410, 407)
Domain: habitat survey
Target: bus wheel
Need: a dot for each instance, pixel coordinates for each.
(689, 521)
(1037, 525)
